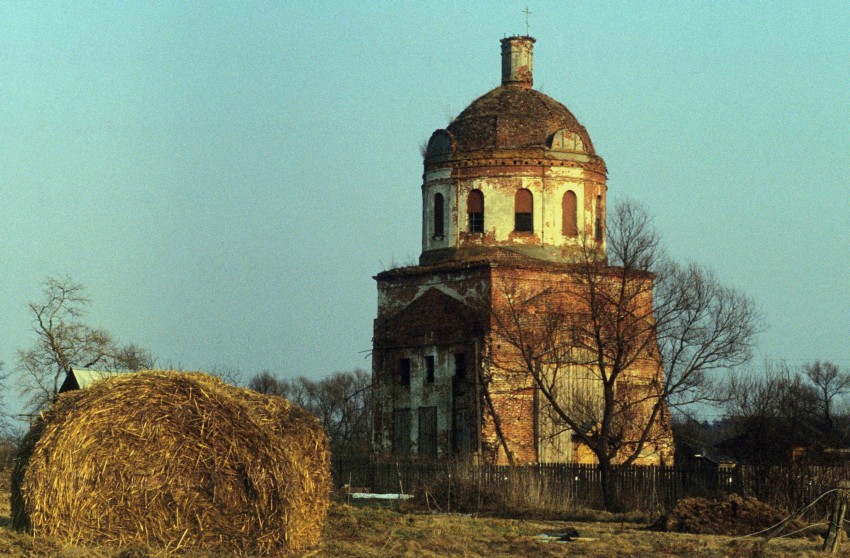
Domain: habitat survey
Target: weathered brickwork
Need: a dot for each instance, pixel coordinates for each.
(513, 194)
(451, 309)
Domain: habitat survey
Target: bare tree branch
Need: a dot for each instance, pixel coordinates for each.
(63, 341)
(610, 347)
(341, 402)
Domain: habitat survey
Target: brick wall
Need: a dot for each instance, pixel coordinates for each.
(443, 310)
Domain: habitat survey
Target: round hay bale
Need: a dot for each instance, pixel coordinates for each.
(174, 460)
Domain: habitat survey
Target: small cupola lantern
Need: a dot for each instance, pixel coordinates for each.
(517, 66)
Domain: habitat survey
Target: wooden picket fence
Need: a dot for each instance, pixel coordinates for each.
(559, 488)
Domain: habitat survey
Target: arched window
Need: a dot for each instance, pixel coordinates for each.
(523, 211)
(475, 211)
(569, 209)
(599, 218)
(439, 221)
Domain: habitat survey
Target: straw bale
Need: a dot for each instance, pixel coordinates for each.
(174, 460)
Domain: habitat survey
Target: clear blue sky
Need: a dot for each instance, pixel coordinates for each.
(226, 178)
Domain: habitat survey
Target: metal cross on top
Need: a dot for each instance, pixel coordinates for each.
(527, 13)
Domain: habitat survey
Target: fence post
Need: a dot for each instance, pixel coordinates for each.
(836, 520)
(449, 497)
(398, 472)
(574, 474)
(477, 469)
(348, 497)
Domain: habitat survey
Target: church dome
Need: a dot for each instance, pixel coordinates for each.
(514, 117)
(513, 122)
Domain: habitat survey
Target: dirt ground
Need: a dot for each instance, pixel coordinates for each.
(374, 532)
(366, 533)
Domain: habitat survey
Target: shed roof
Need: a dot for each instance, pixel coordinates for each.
(81, 378)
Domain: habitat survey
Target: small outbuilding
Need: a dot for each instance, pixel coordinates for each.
(81, 378)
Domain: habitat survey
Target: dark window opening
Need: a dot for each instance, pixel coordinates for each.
(460, 365)
(404, 372)
(429, 369)
(599, 218)
(401, 432)
(476, 222)
(523, 222)
(570, 214)
(439, 220)
(475, 211)
(461, 442)
(427, 446)
(523, 211)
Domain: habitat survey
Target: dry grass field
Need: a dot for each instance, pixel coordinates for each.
(370, 532)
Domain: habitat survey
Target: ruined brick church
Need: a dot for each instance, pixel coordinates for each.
(512, 190)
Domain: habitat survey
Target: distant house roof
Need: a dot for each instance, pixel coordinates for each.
(692, 449)
(81, 378)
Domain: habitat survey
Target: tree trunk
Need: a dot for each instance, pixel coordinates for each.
(496, 423)
(610, 493)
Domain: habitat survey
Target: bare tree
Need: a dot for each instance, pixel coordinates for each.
(777, 410)
(340, 401)
(265, 382)
(830, 384)
(226, 373)
(130, 357)
(63, 341)
(610, 347)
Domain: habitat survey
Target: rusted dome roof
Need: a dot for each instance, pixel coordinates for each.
(513, 117)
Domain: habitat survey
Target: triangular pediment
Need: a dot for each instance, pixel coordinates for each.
(434, 317)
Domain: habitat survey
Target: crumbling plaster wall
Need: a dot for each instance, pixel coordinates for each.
(389, 395)
(425, 300)
(499, 184)
(402, 287)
